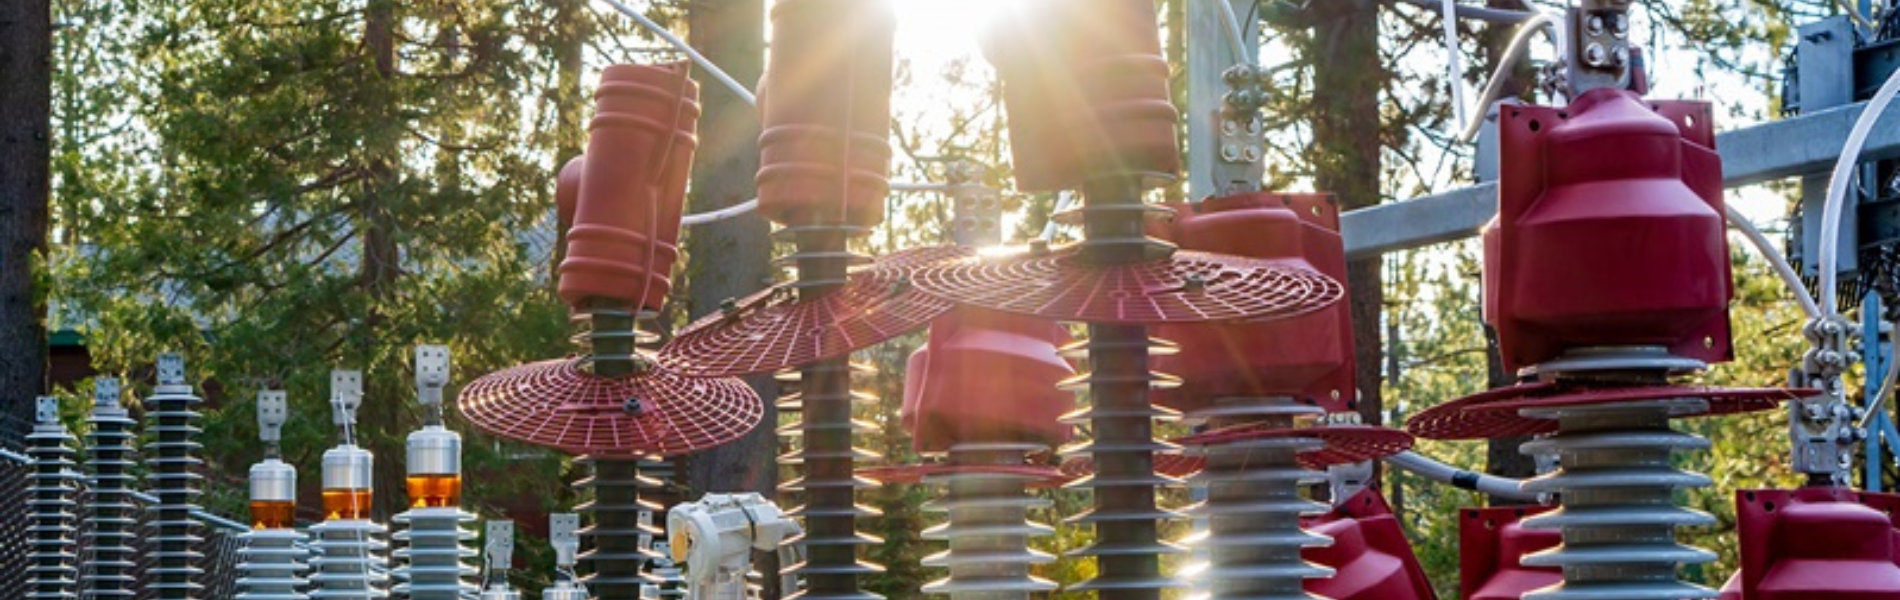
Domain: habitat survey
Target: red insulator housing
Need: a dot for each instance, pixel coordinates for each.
(987, 377)
(1609, 230)
(1088, 96)
(625, 235)
(1817, 544)
(1309, 356)
(1370, 556)
(825, 151)
(1491, 541)
(567, 191)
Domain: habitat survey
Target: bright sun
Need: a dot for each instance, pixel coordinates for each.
(942, 28)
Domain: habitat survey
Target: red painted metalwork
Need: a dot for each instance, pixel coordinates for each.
(1189, 287)
(1609, 230)
(1173, 466)
(1817, 544)
(778, 328)
(1307, 357)
(1090, 96)
(987, 377)
(1039, 475)
(1370, 556)
(825, 151)
(1494, 413)
(558, 404)
(627, 217)
(1490, 543)
(1342, 444)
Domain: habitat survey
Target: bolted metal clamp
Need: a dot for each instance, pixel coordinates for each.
(1825, 429)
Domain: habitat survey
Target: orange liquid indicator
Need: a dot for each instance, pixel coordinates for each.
(434, 491)
(273, 514)
(343, 505)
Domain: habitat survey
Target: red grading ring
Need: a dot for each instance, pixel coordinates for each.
(1494, 413)
(1039, 476)
(1188, 287)
(553, 403)
(775, 330)
(1176, 466)
(1343, 444)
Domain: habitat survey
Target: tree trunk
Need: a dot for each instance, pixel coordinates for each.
(1346, 145)
(26, 46)
(731, 258)
(382, 258)
(1502, 457)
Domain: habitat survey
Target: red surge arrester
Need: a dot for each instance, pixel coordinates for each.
(1308, 357)
(642, 140)
(1490, 543)
(1637, 183)
(1816, 544)
(1089, 96)
(825, 151)
(987, 377)
(1370, 556)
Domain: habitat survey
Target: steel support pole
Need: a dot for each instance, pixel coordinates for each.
(1210, 53)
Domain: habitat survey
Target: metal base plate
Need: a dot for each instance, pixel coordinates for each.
(1341, 444)
(1496, 413)
(1189, 287)
(776, 329)
(556, 404)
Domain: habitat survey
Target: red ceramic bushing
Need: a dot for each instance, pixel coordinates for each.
(987, 377)
(1087, 91)
(1491, 542)
(1609, 230)
(1370, 556)
(633, 187)
(1817, 544)
(1309, 356)
(825, 152)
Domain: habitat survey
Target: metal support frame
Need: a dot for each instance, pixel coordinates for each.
(1210, 56)
(1801, 145)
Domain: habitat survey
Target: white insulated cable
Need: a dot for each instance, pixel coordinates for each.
(1838, 185)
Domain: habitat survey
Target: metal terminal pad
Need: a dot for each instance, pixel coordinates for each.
(171, 369)
(564, 535)
(46, 410)
(105, 395)
(346, 395)
(432, 373)
(273, 410)
(498, 547)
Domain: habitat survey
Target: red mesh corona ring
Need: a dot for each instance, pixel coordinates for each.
(1059, 285)
(1039, 476)
(556, 404)
(1343, 444)
(773, 330)
(1178, 466)
(1494, 413)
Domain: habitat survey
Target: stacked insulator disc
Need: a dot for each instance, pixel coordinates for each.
(176, 482)
(272, 565)
(433, 553)
(111, 522)
(351, 560)
(615, 554)
(55, 564)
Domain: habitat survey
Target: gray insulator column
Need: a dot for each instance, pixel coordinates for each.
(1253, 508)
(614, 531)
(350, 562)
(988, 529)
(112, 518)
(272, 564)
(55, 570)
(433, 553)
(1618, 511)
(175, 481)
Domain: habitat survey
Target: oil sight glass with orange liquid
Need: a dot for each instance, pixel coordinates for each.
(272, 558)
(434, 533)
(351, 564)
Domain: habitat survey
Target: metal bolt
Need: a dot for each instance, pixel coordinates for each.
(1620, 24)
(633, 406)
(1229, 126)
(1252, 153)
(1594, 55)
(1596, 25)
(1230, 151)
(1621, 55)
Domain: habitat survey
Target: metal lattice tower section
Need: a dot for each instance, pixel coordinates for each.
(350, 561)
(435, 549)
(988, 528)
(55, 570)
(614, 552)
(1253, 506)
(1127, 521)
(111, 572)
(1618, 514)
(176, 483)
(273, 560)
(824, 401)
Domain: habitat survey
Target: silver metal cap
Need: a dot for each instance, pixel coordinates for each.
(273, 481)
(435, 451)
(348, 467)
